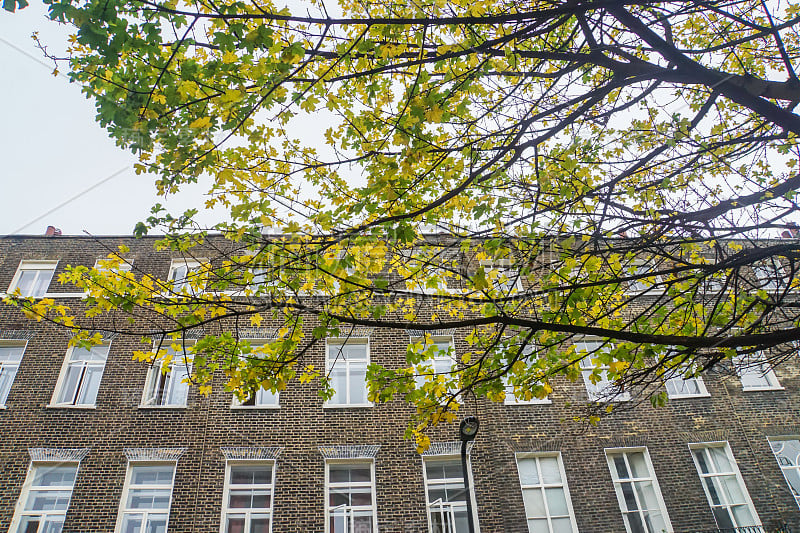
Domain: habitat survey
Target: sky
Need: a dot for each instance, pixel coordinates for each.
(57, 165)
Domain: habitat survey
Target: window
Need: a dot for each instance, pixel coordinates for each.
(146, 498)
(787, 452)
(446, 496)
(347, 367)
(644, 284)
(247, 502)
(769, 275)
(639, 497)
(81, 375)
(262, 397)
(45, 497)
(679, 386)
(723, 485)
(511, 398)
(443, 359)
(185, 274)
(10, 357)
(33, 278)
(503, 276)
(350, 501)
(170, 388)
(598, 386)
(548, 507)
(755, 372)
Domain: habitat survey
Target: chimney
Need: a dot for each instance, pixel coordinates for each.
(52, 231)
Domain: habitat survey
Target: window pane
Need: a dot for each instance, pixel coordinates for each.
(235, 524)
(156, 524)
(259, 524)
(152, 474)
(556, 501)
(358, 384)
(7, 374)
(638, 465)
(562, 525)
(91, 385)
(48, 500)
(179, 388)
(534, 502)
(550, 471)
(132, 524)
(338, 377)
(527, 471)
(720, 459)
(148, 499)
(9, 354)
(743, 516)
(71, 383)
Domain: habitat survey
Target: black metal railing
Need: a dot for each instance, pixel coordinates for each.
(748, 529)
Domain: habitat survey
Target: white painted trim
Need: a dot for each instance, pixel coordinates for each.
(693, 446)
(564, 483)
(63, 374)
(13, 343)
(33, 264)
(154, 372)
(226, 488)
(662, 507)
(776, 438)
(127, 486)
(330, 341)
(371, 463)
(28, 483)
(439, 458)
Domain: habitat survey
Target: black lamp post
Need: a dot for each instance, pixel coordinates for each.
(467, 431)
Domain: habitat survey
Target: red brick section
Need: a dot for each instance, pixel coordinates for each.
(301, 425)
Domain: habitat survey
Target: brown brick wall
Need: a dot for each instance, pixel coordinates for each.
(301, 425)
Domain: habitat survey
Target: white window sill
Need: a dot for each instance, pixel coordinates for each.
(761, 389)
(528, 402)
(255, 407)
(167, 407)
(689, 396)
(347, 406)
(69, 406)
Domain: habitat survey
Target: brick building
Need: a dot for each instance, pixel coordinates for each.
(91, 441)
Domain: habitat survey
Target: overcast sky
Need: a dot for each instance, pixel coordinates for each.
(52, 150)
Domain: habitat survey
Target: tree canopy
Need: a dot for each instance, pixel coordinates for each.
(529, 171)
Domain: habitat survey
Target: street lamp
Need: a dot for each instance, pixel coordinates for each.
(467, 431)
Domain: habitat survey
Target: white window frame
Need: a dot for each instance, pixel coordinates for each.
(247, 511)
(678, 383)
(128, 486)
(193, 266)
(154, 375)
(594, 390)
(330, 343)
(349, 509)
(427, 485)
(4, 366)
(541, 486)
(62, 379)
(510, 398)
(754, 364)
(695, 446)
(237, 404)
(766, 273)
(448, 358)
(28, 486)
(637, 286)
(34, 265)
(428, 266)
(504, 267)
(662, 508)
(784, 468)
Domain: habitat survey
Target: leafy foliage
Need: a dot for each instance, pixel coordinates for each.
(626, 160)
